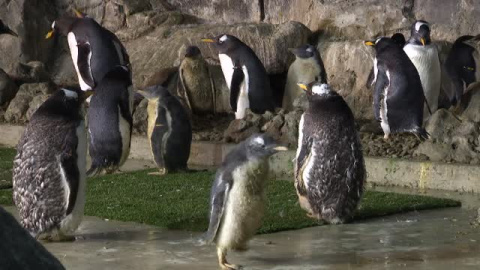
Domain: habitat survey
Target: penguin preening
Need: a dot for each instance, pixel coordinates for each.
(329, 166)
(424, 55)
(245, 75)
(110, 121)
(4, 29)
(307, 67)
(237, 198)
(49, 170)
(94, 49)
(169, 130)
(461, 66)
(398, 96)
(197, 87)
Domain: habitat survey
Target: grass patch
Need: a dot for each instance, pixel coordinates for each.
(6, 197)
(6, 165)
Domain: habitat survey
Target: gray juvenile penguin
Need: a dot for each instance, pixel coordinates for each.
(49, 168)
(237, 199)
(169, 129)
(196, 83)
(329, 165)
(307, 67)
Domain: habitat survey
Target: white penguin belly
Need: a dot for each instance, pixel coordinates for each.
(243, 102)
(124, 128)
(71, 222)
(425, 59)
(383, 109)
(244, 209)
(72, 43)
(227, 68)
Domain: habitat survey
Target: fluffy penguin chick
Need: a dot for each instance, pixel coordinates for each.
(329, 166)
(196, 82)
(110, 121)
(49, 168)
(169, 129)
(237, 199)
(424, 55)
(307, 67)
(398, 97)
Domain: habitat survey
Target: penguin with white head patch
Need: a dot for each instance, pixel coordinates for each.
(398, 97)
(169, 129)
(307, 67)
(110, 121)
(329, 165)
(245, 75)
(424, 55)
(237, 198)
(49, 170)
(94, 49)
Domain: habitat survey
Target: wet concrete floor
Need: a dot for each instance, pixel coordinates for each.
(436, 239)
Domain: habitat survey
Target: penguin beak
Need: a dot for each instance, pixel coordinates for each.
(369, 43)
(422, 40)
(280, 148)
(49, 34)
(303, 86)
(209, 40)
(78, 13)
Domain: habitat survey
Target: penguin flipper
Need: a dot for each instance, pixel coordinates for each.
(68, 162)
(237, 80)
(157, 138)
(370, 79)
(302, 157)
(184, 92)
(218, 198)
(83, 63)
(378, 95)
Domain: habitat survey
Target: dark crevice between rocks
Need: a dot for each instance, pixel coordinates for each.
(261, 3)
(407, 9)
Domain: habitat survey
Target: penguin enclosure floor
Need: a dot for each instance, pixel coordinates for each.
(181, 201)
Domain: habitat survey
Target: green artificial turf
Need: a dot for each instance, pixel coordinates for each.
(6, 164)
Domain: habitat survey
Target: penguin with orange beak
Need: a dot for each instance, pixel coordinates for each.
(94, 50)
(424, 55)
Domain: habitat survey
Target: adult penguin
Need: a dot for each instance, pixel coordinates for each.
(49, 170)
(307, 67)
(329, 166)
(424, 55)
(398, 97)
(110, 121)
(245, 75)
(169, 130)
(94, 49)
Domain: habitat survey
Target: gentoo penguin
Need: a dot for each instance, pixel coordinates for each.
(329, 166)
(20, 250)
(49, 168)
(398, 96)
(237, 198)
(307, 67)
(461, 66)
(169, 129)
(399, 39)
(4, 29)
(94, 49)
(196, 83)
(110, 121)
(245, 75)
(424, 55)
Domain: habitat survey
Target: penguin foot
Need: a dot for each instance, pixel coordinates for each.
(57, 237)
(222, 261)
(160, 172)
(228, 266)
(386, 136)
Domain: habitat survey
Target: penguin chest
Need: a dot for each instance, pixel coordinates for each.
(245, 205)
(384, 109)
(227, 68)
(243, 102)
(72, 44)
(152, 113)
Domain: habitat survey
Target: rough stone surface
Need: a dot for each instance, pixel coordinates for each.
(29, 94)
(140, 117)
(472, 100)
(8, 88)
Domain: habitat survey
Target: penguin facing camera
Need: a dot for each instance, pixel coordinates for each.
(169, 130)
(329, 167)
(307, 67)
(110, 121)
(245, 75)
(398, 96)
(237, 198)
(4, 29)
(49, 170)
(94, 50)
(424, 55)
(197, 87)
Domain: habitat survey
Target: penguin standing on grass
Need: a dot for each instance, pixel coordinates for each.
(110, 121)
(398, 98)
(245, 75)
(424, 55)
(237, 199)
(49, 170)
(94, 49)
(329, 165)
(169, 130)
(307, 67)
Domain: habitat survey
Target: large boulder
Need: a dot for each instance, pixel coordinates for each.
(29, 97)
(471, 102)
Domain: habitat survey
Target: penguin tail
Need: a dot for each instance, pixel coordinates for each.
(93, 171)
(421, 133)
